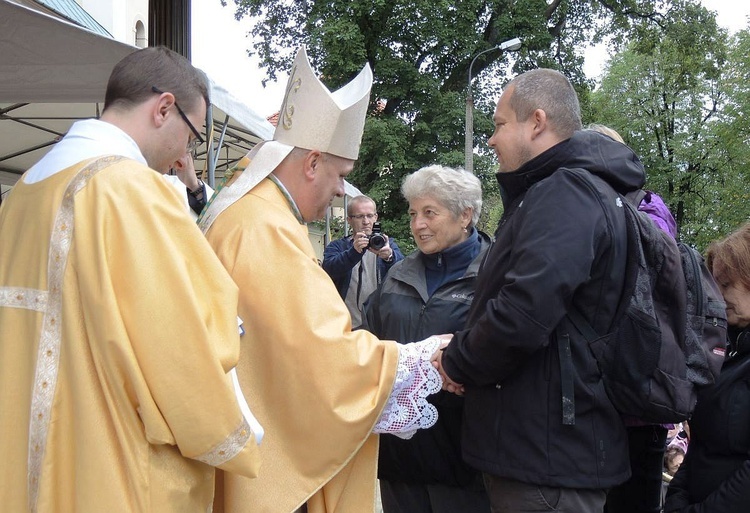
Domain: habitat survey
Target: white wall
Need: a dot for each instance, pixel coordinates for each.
(118, 16)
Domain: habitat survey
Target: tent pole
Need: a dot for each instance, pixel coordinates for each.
(210, 146)
(221, 139)
(327, 234)
(346, 210)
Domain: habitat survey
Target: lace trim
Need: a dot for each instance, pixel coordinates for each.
(48, 356)
(19, 297)
(407, 409)
(229, 448)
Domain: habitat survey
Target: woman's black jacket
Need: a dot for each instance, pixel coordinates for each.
(402, 310)
(715, 475)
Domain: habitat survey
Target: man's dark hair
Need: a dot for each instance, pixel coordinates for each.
(134, 76)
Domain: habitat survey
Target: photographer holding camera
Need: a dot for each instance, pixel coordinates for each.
(357, 263)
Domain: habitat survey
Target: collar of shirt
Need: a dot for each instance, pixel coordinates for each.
(85, 140)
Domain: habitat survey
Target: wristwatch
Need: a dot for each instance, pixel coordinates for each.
(197, 192)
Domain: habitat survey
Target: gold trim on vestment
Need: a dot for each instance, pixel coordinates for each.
(229, 448)
(20, 297)
(259, 163)
(48, 356)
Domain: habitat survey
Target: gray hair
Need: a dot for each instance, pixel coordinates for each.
(455, 189)
(356, 200)
(550, 91)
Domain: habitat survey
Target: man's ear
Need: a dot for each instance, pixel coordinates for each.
(161, 107)
(539, 120)
(311, 164)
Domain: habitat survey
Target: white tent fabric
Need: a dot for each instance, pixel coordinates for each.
(53, 73)
(47, 59)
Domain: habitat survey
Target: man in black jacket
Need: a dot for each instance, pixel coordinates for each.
(537, 420)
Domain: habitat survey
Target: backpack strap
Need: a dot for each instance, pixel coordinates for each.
(582, 325)
(566, 380)
(579, 321)
(635, 197)
(566, 363)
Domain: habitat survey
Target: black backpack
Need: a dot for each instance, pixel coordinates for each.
(670, 329)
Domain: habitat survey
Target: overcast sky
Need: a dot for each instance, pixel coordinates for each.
(731, 14)
(220, 49)
(220, 44)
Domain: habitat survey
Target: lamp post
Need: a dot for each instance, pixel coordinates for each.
(510, 45)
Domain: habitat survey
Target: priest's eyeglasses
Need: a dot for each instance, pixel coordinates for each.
(359, 217)
(191, 145)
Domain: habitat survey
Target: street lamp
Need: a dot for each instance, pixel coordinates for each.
(509, 45)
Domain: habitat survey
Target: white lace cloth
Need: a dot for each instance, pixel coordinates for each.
(407, 409)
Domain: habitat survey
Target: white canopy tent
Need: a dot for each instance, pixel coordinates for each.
(53, 73)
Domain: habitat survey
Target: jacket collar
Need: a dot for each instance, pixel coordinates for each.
(456, 256)
(598, 154)
(412, 272)
(516, 183)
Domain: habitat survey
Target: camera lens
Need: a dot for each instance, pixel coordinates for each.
(377, 242)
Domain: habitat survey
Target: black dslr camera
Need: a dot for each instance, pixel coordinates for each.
(377, 240)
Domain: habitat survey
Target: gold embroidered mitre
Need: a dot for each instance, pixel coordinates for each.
(313, 118)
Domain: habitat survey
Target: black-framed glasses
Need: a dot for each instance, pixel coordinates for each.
(192, 145)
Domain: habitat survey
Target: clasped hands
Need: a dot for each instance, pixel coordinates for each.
(437, 362)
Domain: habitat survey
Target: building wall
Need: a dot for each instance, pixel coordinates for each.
(120, 17)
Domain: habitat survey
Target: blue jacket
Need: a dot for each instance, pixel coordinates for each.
(340, 257)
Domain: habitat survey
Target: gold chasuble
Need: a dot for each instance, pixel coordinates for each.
(317, 387)
(117, 330)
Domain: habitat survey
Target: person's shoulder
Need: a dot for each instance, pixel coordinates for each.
(405, 265)
(132, 180)
(263, 205)
(124, 170)
(341, 242)
(484, 240)
(568, 181)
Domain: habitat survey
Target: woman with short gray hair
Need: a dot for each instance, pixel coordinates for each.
(457, 190)
(428, 293)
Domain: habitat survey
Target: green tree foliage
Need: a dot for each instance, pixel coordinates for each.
(671, 95)
(420, 52)
(733, 140)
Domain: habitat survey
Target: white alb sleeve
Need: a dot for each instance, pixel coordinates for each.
(407, 409)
